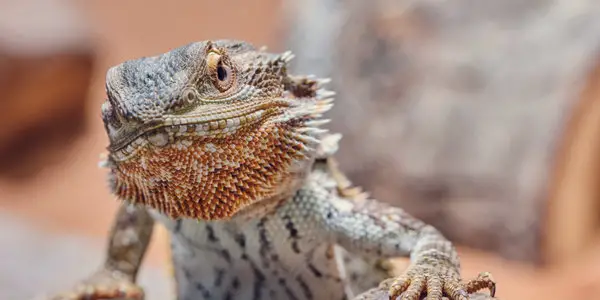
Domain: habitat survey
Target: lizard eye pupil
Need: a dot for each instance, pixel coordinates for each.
(221, 73)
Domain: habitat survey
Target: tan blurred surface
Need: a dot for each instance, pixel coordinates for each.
(45, 65)
(72, 197)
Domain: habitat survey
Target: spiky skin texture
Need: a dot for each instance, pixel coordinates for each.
(220, 144)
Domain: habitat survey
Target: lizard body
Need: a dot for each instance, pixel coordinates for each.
(218, 142)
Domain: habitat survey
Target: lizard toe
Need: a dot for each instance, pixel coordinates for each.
(413, 292)
(483, 281)
(434, 288)
(397, 286)
(455, 290)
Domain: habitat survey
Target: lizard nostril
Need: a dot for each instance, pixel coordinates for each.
(109, 115)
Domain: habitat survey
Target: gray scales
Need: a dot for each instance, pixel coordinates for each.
(219, 143)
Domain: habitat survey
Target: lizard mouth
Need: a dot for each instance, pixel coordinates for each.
(214, 122)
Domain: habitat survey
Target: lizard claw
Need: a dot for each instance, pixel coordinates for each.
(103, 285)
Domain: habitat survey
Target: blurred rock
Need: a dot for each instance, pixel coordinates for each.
(46, 62)
(458, 110)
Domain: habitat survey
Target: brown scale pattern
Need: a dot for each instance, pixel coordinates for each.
(248, 166)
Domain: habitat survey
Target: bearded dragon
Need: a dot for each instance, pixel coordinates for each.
(222, 145)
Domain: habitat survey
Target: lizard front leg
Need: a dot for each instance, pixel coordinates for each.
(128, 241)
(389, 231)
(375, 229)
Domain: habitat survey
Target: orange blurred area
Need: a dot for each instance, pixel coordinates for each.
(71, 197)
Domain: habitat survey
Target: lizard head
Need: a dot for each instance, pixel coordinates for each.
(210, 128)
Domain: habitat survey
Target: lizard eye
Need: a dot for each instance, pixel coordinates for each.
(222, 74)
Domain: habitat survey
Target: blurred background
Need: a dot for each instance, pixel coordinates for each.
(480, 117)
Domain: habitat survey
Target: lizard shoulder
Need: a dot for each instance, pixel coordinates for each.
(329, 165)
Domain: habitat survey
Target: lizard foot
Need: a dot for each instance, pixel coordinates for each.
(103, 285)
(436, 281)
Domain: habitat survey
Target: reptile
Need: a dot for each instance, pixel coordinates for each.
(221, 145)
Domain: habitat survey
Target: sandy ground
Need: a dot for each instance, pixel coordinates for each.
(52, 228)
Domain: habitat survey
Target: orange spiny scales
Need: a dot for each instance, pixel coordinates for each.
(213, 178)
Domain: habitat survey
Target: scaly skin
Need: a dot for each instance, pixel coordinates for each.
(219, 143)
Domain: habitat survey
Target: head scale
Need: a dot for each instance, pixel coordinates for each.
(210, 128)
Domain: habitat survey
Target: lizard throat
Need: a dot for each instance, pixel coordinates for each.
(211, 178)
